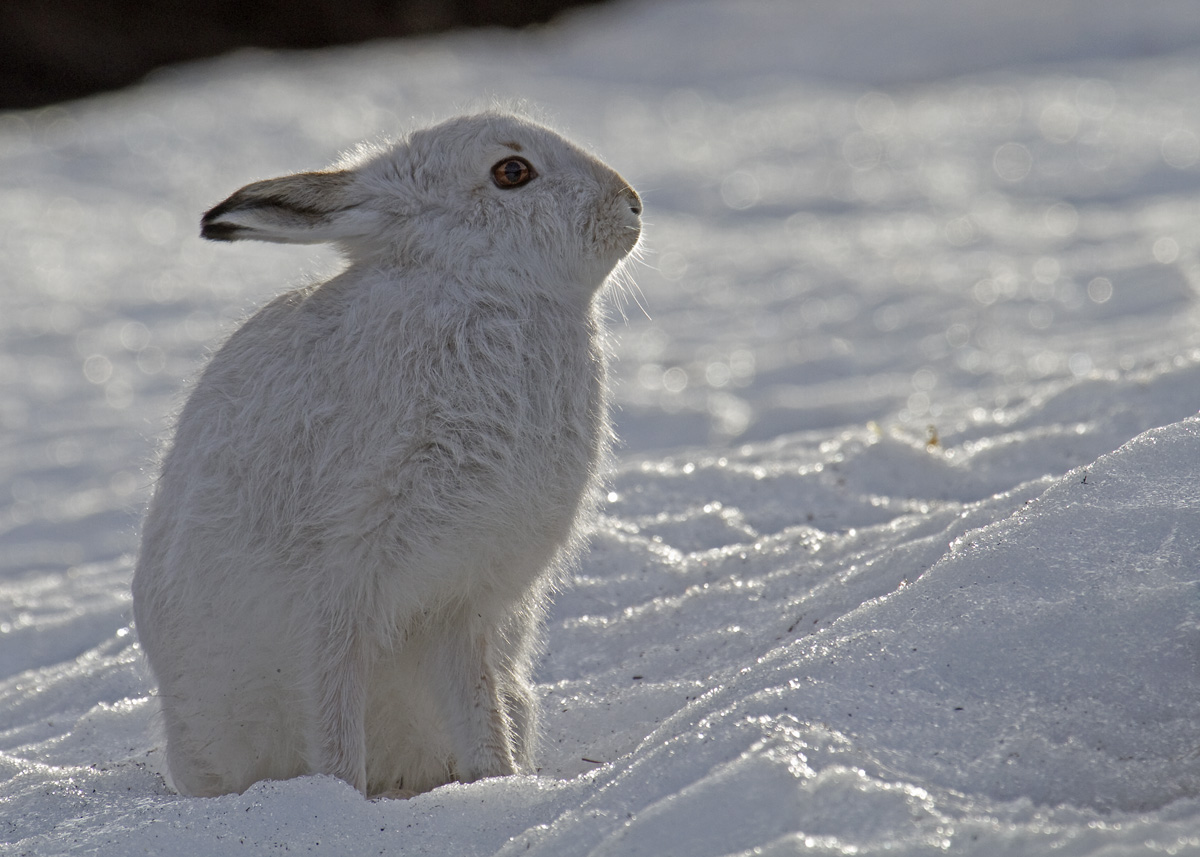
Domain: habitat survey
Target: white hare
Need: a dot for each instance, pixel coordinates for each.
(377, 480)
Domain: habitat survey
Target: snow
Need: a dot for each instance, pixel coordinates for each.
(901, 546)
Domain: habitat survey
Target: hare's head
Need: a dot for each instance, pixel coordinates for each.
(489, 193)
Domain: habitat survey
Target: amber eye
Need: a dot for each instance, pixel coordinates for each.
(512, 172)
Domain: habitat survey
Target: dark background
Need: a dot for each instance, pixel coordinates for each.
(53, 50)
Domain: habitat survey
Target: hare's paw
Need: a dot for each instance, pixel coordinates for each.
(394, 794)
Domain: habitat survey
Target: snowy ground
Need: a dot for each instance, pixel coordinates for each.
(901, 550)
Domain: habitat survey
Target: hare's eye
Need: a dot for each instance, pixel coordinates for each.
(512, 172)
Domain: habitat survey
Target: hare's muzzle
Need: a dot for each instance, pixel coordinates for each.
(635, 202)
(630, 205)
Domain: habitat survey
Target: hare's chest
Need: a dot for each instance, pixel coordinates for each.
(535, 387)
(538, 434)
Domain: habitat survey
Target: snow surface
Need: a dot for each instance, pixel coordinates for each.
(900, 553)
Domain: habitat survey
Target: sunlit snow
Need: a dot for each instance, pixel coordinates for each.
(901, 550)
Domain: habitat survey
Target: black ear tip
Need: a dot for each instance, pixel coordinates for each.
(211, 226)
(219, 231)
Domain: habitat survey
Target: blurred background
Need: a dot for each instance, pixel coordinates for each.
(54, 50)
(57, 50)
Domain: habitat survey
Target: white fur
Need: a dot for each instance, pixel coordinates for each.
(377, 480)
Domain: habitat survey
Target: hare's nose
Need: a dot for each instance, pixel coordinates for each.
(635, 201)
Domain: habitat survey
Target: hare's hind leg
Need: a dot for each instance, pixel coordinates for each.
(230, 715)
(222, 739)
(465, 686)
(195, 761)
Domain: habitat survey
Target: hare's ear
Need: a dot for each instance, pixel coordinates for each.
(307, 208)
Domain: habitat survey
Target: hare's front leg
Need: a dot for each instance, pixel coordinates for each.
(521, 706)
(476, 714)
(342, 665)
(517, 645)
